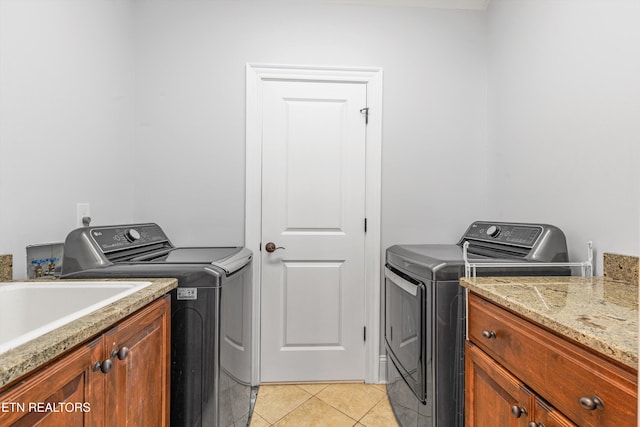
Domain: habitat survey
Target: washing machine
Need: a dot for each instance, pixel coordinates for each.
(211, 313)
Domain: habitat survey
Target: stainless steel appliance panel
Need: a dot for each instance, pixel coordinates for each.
(407, 315)
(425, 313)
(211, 314)
(433, 370)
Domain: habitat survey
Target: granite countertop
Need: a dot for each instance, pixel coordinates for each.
(599, 312)
(33, 354)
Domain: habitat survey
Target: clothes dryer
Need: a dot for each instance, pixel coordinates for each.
(425, 313)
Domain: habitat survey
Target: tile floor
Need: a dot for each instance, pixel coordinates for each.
(323, 405)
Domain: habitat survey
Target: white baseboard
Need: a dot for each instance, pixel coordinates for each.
(382, 369)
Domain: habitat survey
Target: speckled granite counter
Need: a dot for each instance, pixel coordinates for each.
(621, 267)
(6, 268)
(29, 356)
(599, 313)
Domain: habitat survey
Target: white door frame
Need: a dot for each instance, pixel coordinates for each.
(256, 74)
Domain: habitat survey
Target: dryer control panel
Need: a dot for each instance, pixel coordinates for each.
(116, 238)
(516, 234)
(515, 240)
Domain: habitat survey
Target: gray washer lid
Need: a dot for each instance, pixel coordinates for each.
(430, 262)
(200, 255)
(229, 259)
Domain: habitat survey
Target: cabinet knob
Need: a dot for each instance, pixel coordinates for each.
(123, 353)
(489, 334)
(518, 411)
(591, 403)
(535, 424)
(104, 366)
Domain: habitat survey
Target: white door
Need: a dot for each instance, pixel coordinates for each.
(313, 210)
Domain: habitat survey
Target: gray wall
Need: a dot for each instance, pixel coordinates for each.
(191, 68)
(66, 118)
(137, 106)
(564, 97)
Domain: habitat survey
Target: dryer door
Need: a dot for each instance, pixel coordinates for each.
(405, 326)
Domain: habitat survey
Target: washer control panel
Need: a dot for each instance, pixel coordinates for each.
(110, 239)
(512, 234)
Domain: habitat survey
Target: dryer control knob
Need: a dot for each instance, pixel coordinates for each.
(132, 234)
(493, 231)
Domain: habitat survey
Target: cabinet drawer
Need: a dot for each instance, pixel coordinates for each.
(560, 371)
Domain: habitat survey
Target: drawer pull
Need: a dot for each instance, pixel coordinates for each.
(535, 424)
(489, 334)
(104, 366)
(123, 353)
(591, 403)
(518, 411)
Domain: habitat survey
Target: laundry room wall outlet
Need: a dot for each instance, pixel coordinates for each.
(83, 210)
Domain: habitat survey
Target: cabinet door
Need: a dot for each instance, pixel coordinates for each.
(547, 416)
(138, 385)
(66, 393)
(493, 396)
(536, 355)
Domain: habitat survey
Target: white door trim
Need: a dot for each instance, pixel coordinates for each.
(372, 77)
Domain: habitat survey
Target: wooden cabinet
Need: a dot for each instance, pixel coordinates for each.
(137, 388)
(492, 392)
(563, 383)
(51, 396)
(547, 416)
(120, 378)
(497, 398)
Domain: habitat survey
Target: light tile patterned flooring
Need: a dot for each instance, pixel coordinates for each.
(323, 405)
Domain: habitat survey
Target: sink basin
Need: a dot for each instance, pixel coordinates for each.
(29, 310)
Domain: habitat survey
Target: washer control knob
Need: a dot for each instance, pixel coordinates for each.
(132, 234)
(493, 231)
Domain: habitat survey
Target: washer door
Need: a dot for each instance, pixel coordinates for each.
(405, 326)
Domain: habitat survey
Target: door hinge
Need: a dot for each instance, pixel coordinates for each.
(365, 111)
(365, 225)
(365, 334)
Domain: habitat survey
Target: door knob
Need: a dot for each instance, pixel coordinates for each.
(271, 247)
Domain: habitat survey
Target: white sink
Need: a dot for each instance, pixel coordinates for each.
(29, 310)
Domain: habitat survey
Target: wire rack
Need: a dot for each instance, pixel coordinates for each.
(470, 271)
